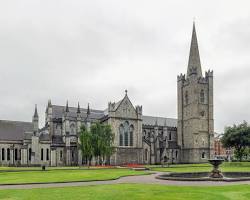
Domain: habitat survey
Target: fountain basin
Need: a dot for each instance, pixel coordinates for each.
(216, 173)
(205, 176)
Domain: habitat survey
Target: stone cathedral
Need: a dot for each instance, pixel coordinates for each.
(139, 139)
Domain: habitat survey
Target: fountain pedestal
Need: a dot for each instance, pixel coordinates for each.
(216, 173)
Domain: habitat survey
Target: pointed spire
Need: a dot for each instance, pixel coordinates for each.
(78, 108)
(67, 107)
(88, 110)
(194, 64)
(36, 113)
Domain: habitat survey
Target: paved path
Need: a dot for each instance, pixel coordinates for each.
(143, 179)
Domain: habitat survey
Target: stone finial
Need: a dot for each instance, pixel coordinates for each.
(78, 108)
(36, 113)
(88, 110)
(49, 103)
(156, 122)
(67, 107)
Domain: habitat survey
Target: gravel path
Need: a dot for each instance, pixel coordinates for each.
(143, 179)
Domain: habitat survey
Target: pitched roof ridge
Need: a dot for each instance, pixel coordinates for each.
(159, 117)
(14, 121)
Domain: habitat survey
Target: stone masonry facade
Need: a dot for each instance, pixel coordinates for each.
(139, 139)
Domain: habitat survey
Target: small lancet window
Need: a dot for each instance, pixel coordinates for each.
(203, 155)
(186, 97)
(202, 96)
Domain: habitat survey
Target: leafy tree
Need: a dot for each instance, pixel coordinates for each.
(107, 142)
(102, 141)
(85, 145)
(237, 137)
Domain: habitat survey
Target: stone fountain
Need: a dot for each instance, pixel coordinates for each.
(216, 173)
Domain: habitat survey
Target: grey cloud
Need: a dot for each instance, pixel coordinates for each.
(91, 51)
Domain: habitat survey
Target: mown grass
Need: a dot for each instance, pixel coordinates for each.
(64, 175)
(132, 191)
(225, 167)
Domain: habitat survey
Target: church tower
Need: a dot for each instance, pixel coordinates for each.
(195, 109)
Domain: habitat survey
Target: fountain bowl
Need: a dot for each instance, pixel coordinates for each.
(205, 176)
(214, 175)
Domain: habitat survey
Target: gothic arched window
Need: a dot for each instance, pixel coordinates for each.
(170, 136)
(47, 154)
(126, 133)
(186, 97)
(121, 133)
(131, 134)
(42, 154)
(203, 155)
(30, 154)
(72, 129)
(202, 96)
(8, 154)
(3, 154)
(15, 154)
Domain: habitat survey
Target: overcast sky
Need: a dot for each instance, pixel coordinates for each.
(91, 51)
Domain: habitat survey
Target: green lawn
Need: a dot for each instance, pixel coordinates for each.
(132, 191)
(64, 175)
(225, 167)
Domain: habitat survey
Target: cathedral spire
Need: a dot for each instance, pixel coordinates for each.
(194, 63)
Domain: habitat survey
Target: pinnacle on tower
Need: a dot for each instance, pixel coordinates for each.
(78, 108)
(67, 107)
(49, 103)
(35, 113)
(156, 122)
(194, 63)
(88, 110)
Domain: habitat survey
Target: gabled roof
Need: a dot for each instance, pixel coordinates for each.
(14, 130)
(161, 121)
(117, 105)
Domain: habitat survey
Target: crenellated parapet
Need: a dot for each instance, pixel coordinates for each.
(209, 73)
(181, 78)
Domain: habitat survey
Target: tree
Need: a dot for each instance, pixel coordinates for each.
(237, 137)
(85, 145)
(107, 143)
(102, 141)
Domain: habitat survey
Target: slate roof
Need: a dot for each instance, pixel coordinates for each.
(161, 121)
(58, 112)
(44, 137)
(14, 130)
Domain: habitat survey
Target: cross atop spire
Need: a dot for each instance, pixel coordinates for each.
(194, 63)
